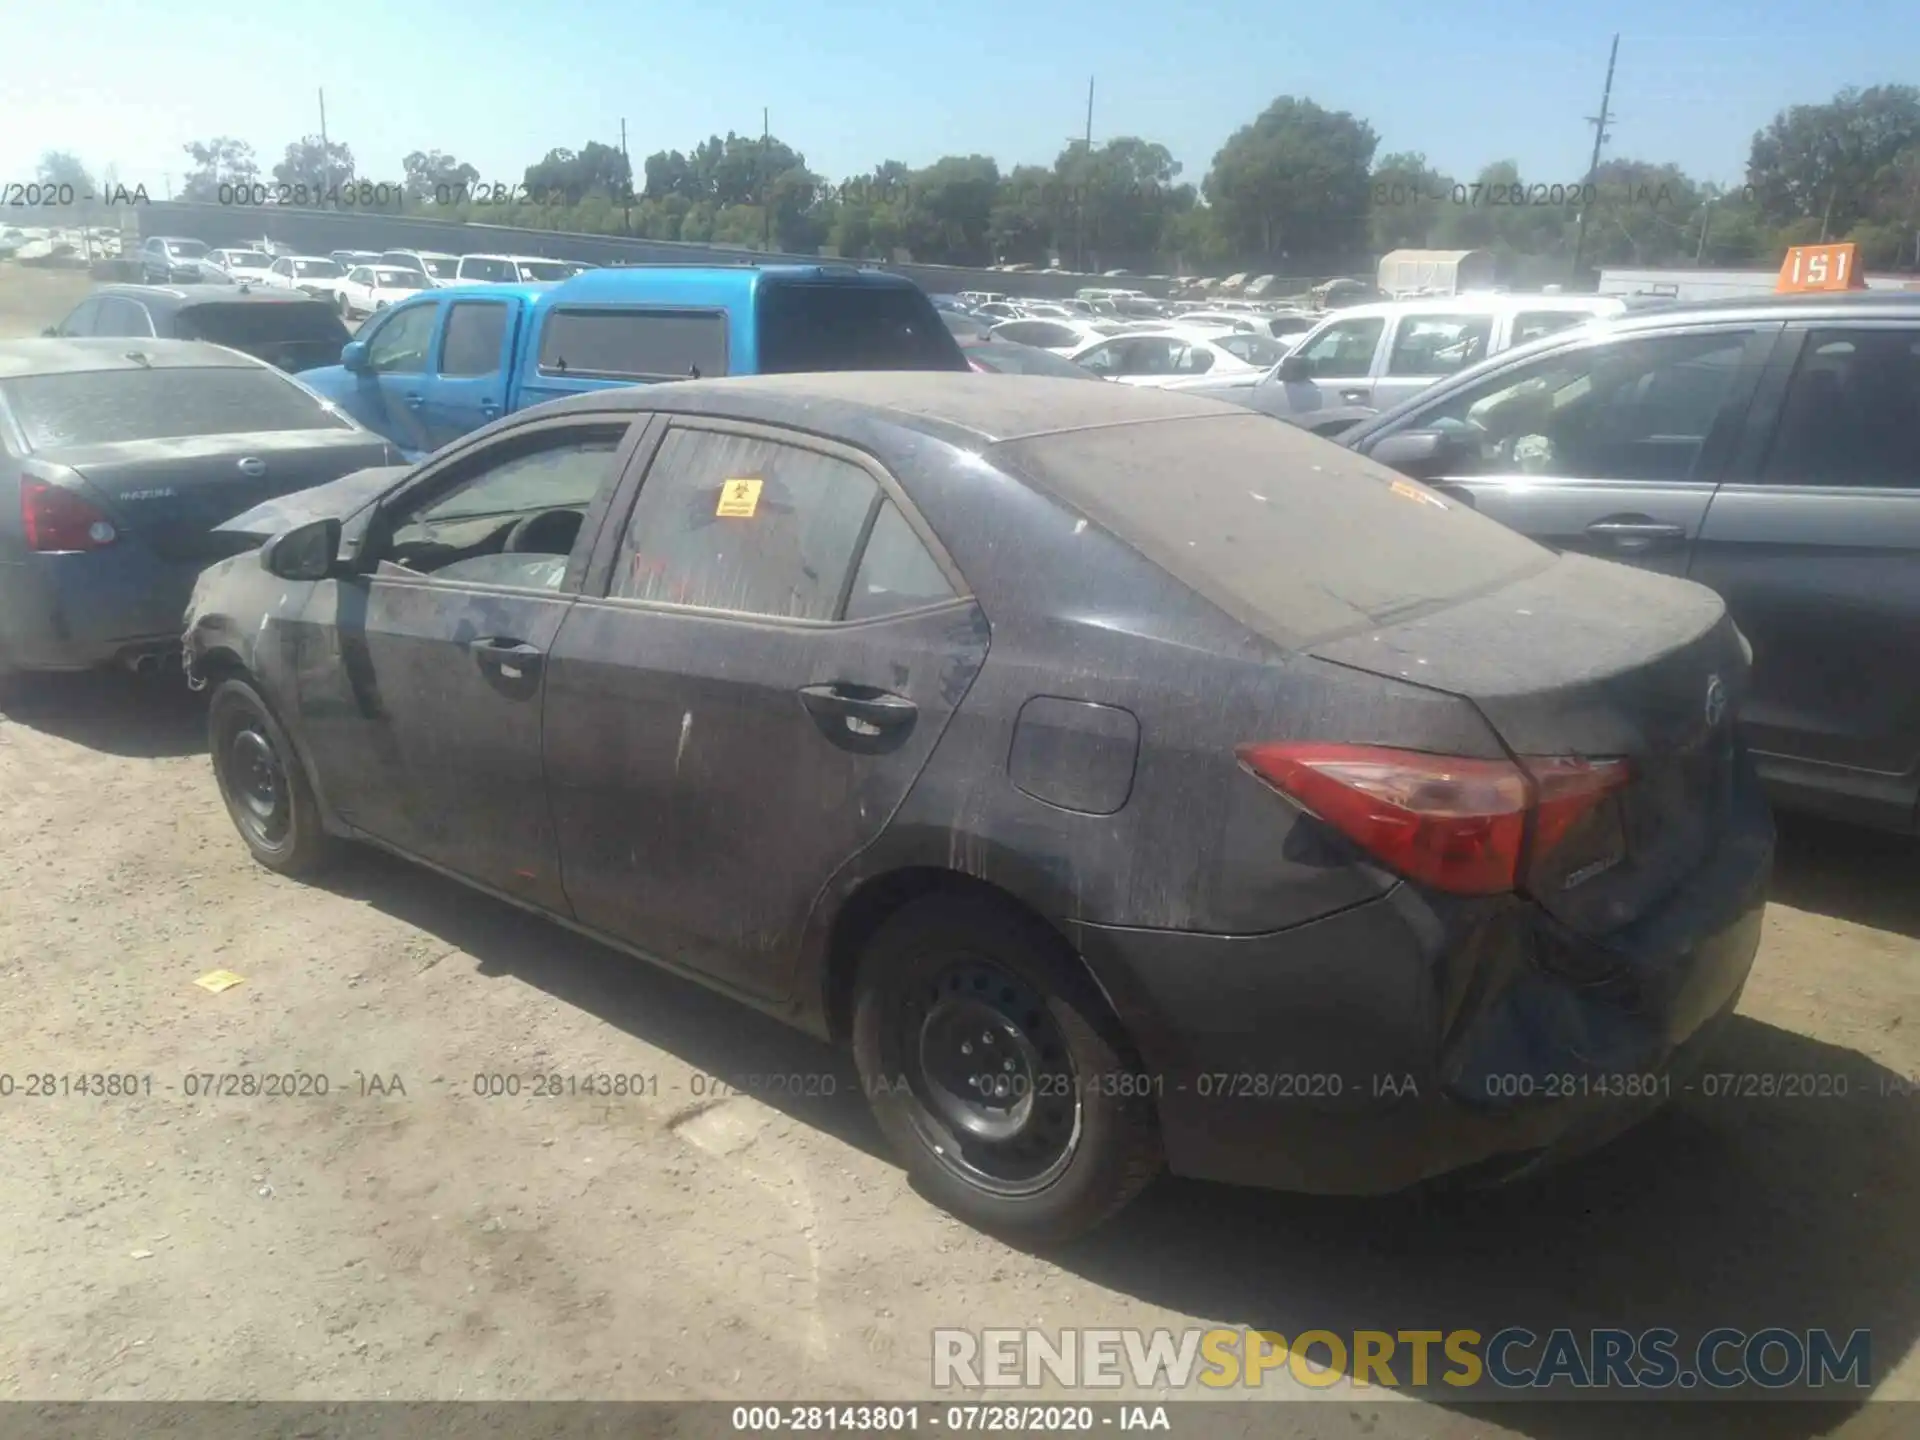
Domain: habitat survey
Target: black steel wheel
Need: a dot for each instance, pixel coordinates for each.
(996, 1071)
(260, 778)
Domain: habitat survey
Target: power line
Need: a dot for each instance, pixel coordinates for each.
(1600, 137)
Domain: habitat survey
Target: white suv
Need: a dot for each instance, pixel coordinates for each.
(1367, 358)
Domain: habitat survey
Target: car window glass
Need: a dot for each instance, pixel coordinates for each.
(1849, 414)
(1254, 349)
(1635, 409)
(734, 522)
(400, 346)
(81, 321)
(897, 572)
(1102, 359)
(1344, 351)
(634, 344)
(471, 345)
(1190, 359)
(1532, 324)
(1438, 344)
(282, 267)
(547, 481)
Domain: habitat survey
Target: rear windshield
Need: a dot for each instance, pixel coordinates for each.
(1288, 533)
(544, 270)
(810, 326)
(109, 407)
(487, 269)
(243, 324)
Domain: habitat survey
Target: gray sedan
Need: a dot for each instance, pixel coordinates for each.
(1765, 448)
(120, 458)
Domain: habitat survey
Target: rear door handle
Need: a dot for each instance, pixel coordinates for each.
(862, 710)
(513, 659)
(1354, 397)
(489, 409)
(1636, 532)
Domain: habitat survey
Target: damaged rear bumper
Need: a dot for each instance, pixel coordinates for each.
(1411, 1036)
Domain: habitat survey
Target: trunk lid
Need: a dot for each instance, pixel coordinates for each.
(1595, 660)
(171, 494)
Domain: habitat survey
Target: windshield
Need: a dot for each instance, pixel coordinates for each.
(187, 249)
(110, 407)
(249, 259)
(441, 269)
(544, 270)
(317, 269)
(391, 278)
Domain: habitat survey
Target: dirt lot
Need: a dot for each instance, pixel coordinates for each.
(411, 1239)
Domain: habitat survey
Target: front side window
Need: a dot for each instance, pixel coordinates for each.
(1850, 410)
(400, 346)
(1344, 350)
(1633, 409)
(1426, 345)
(519, 500)
(739, 523)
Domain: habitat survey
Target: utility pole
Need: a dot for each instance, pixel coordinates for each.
(1599, 123)
(626, 200)
(1079, 189)
(326, 154)
(766, 208)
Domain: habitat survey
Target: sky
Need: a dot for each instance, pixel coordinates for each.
(849, 83)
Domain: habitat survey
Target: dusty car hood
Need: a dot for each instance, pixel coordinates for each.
(337, 499)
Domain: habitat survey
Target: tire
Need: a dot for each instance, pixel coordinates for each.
(1065, 1147)
(263, 784)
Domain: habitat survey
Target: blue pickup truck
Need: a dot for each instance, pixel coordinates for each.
(430, 368)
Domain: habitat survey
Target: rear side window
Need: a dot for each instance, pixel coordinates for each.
(635, 344)
(1849, 413)
(471, 345)
(810, 326)
(734, 522)
(1296, 538)
(897, 572)
(1438, 344)
(108, 407)
(1532, 324)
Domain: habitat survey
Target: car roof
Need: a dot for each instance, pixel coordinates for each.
(180, 296)
(82, 353)
(983, 409)
(1477, 305)
(619, 283)
(1850, 304)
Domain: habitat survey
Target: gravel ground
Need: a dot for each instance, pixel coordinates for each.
(405, 1237)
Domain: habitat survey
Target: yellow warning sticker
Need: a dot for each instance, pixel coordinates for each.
(218, 980)
(739, 499)
(1413, 492)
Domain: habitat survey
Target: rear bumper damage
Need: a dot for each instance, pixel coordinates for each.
(1412, 1036)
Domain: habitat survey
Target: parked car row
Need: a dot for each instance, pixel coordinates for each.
(167, 259)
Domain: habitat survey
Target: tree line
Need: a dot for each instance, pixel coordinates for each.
(1299, 190)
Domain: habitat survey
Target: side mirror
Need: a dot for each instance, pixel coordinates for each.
(306, 552)
(1294, 367)
(52, 332)
(1418, 453)
(353, 356)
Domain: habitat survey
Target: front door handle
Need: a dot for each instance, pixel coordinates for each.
(414, 402)
(1636, 532)
(1354, 397)
(512, 659)
(861, 710)
(489, 408)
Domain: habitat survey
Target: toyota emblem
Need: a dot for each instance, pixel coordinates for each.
(253, 465)
(1716, 701)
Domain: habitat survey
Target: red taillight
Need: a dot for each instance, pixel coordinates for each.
(54, 518)
(1457, 824)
